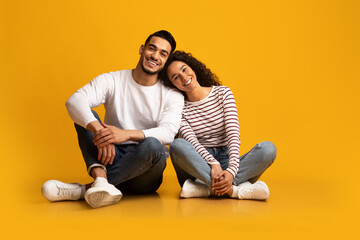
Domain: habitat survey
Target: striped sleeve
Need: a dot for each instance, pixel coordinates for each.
(188, 134)
(232, 130)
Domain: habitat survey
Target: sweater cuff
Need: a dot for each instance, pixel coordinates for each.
(213, 163)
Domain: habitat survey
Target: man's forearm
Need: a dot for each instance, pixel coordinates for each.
(135, 135)
(94, 126)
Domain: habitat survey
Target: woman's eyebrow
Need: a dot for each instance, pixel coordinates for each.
(180, 70)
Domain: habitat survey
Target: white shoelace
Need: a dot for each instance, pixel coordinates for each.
(70, 192)
(246, 193)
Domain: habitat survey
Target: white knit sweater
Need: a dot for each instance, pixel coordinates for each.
(156, 110)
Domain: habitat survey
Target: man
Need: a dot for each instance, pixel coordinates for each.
(125, 153)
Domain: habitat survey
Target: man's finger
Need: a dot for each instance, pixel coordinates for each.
(113, 154)
(102, 140)
(99, 153)
(109, 156)
(101, 133)
(104, 155)
(107, 142)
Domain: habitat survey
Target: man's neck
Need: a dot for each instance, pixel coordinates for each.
(142, 78)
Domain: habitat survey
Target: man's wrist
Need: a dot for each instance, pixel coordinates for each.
(94, 126)
(135, 135)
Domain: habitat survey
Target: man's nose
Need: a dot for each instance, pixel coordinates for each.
(155, 55)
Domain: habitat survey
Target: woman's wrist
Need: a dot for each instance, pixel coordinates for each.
(215, 165)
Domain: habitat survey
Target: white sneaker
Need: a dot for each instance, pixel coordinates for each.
(102, 194)
(257, 191)
(196, 189)
(54, 190)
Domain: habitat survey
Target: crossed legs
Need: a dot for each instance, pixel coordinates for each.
(189, 164)
(137, 168)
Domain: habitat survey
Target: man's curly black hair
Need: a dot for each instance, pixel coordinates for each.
(203, 74)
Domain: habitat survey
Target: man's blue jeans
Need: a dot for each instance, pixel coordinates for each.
(137, 168)
(189, 164)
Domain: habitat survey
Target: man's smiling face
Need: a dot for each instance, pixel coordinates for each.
(154, 55)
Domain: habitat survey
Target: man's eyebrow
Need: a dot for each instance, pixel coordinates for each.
(175, 73)
(162, 50)
(152, 45)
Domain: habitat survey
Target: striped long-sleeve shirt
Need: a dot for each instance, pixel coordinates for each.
(213, 122)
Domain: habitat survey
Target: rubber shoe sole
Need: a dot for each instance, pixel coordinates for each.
(99, 198)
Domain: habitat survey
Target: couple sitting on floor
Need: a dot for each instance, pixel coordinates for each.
(144, 110)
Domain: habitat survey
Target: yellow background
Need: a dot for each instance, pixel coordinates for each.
(293, 67)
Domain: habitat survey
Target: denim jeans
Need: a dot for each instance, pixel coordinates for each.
(137, 168)
(189, 164)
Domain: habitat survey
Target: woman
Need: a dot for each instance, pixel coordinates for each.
(206, 157)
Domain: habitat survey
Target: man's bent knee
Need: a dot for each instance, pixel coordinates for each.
(151, 145)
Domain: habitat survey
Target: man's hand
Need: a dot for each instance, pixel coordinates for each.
(223, 183)
(106, 154)
(110, 134)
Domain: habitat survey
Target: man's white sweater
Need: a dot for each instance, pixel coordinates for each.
(156, 110)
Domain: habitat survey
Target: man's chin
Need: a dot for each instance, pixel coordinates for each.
(150, 72)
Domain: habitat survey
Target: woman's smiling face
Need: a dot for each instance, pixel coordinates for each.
(182, 76)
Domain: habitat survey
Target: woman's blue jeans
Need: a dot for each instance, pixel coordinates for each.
(189, 164)
(137, 168)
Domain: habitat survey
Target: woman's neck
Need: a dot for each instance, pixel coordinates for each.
(198, 94)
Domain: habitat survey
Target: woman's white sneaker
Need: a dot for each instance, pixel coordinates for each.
(257, 191)
(102, 194)
(197, 189)
(54, 190)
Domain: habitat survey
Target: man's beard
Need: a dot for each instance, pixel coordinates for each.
(149, 72)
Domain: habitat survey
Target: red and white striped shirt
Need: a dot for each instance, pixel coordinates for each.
(213, 122)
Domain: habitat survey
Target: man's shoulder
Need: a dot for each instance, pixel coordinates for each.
(119, 73)
(114, 76)
(171, 92)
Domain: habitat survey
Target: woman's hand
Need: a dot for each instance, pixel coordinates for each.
(215, 172)
(223, 183)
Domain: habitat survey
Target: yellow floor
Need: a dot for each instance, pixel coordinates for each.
(296, 209)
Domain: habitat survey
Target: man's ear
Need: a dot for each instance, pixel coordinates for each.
(141, 50)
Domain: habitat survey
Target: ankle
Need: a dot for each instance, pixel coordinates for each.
(98, 172)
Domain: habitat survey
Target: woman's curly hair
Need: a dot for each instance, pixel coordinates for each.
(203, 74)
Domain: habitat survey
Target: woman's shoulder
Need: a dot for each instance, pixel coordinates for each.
(222, 89)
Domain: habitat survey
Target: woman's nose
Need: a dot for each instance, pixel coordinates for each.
(182, 76)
